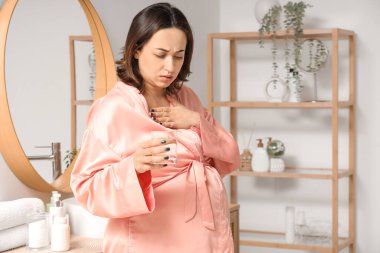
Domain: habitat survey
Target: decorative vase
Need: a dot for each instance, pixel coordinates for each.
(262, 7)
(295, 87)
(277, 165)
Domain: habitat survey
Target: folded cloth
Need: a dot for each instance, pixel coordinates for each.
(15, 212)
(13, 237)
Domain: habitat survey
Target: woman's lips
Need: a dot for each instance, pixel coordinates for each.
(166, 78)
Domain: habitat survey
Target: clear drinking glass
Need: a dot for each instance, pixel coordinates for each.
(171, 145)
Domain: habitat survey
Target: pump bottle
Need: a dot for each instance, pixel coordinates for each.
(60, 234)
(260, 158)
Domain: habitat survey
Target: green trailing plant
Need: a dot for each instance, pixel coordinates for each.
(269, 25)
(270, 22)
(69, 157)
(317, 55)
(294, 13)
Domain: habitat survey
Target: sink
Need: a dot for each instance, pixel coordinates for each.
(82, 222)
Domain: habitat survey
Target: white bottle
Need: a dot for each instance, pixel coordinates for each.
(60, 234)
(260, 158)
(55, 210)
(289, 224)
(56, 207)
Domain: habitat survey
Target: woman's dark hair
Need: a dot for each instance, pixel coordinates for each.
(144, 25)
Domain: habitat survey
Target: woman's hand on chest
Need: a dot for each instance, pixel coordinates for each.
(176, 116)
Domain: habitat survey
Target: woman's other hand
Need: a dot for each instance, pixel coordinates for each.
(152, 154)
(176, 116)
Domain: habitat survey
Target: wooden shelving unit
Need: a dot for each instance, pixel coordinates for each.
(75, 102)
(272, 239)
(277, 240)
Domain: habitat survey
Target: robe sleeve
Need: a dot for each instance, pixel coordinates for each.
(107, 184)
(218, 145)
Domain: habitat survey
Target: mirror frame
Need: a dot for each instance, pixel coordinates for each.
(10, 146)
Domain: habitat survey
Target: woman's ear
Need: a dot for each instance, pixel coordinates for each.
(137, 54)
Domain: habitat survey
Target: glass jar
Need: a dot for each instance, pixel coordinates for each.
(38, 230)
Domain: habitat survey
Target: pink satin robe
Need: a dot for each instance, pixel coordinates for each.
(176, 209)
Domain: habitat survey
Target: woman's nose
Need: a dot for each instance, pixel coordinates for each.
(169, 64)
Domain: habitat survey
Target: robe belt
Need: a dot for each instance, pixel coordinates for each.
(196, 194)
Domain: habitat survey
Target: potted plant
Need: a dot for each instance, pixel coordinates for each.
(69, 157)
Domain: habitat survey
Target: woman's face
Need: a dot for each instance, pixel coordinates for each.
(161, 58)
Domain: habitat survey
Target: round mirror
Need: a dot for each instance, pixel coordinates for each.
(55, 65)
(314, 55)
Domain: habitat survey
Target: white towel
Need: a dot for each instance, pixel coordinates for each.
(13, 237)
(15, 212)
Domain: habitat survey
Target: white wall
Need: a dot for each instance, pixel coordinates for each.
(11, 188)
(263, 200)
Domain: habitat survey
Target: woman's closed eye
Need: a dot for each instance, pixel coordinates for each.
(161, 56)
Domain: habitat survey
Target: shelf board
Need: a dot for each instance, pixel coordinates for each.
(293, 172)
(307, 33)
(277, 240)
(84, 102)
(264, 104)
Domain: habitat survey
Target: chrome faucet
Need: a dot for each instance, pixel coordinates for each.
(55, 157)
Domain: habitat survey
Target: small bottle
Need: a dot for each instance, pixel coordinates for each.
(260, 158)
(60, 234)
(56, 207)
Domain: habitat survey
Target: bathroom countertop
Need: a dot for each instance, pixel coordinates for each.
(78, 244)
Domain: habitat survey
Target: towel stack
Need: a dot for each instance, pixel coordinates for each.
(13, 221)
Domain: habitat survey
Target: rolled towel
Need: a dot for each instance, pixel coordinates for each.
(15, 212)
(13, 237)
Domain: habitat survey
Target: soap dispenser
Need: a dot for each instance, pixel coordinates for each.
(260, 158)
(60, 234)
(56, 208)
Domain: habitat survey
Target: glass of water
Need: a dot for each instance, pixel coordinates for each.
(169, 142)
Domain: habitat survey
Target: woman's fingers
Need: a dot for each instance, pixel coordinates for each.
(153, 153)
(153, 156)
(145, 167)
(145, 162)
(169, 124)
(157, 142)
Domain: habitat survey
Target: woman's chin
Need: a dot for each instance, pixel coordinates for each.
(163, 85)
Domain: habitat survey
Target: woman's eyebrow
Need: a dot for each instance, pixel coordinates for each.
(165, 50)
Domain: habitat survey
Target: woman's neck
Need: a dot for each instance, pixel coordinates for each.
(154, 92)
(155, 97)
